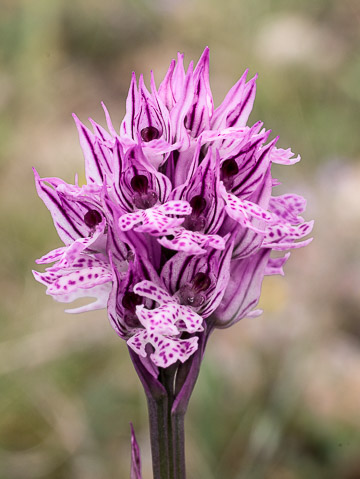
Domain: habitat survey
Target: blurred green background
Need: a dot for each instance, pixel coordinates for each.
(278, 397)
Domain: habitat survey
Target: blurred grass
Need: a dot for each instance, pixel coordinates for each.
(277, 397)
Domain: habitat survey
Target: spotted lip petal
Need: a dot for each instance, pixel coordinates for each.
(282, 236)
(243, 211)
(167, 351)
(287, 226)
(87, 276)
(155, 220)
(191, 242)
(162, 327)
(188, 319)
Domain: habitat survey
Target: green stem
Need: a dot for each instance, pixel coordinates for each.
(167, 432)
(159, 437)
(178, 435)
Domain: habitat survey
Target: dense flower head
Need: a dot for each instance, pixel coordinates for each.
(174, 228)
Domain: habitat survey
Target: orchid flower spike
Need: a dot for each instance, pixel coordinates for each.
(174, 229)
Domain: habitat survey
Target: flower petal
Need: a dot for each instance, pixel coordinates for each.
(243, 289)
(97, 156)
(280, 234)
(191, 242)
(287, 208)
(68, 220)
(283, 157)
(237, 105)
(160, 320)
(166, 350)
(151, 291)
(275, 265)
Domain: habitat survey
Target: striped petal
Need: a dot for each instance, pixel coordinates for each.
(243, 290)
(237, 105)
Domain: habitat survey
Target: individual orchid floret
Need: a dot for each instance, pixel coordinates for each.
(136, 184)
(77, 215)
(199, 281)
(78, 218)
(148, 122)
(88, 276)
(203, 193)
(239, 184)
(163, 326)
(141, 193)
(242, 170)
(146, 115)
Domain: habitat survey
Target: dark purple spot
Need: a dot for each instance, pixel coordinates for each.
(92, 218)
(228, 170)
(198, 204)
(196, 221)
(149, 133)
(143, 196)
(139, 183)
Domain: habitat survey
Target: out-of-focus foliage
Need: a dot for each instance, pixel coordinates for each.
(278, 397)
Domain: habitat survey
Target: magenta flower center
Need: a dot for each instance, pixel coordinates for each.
(196, 220)
(92, 218)
(228, 170)
(192, 294)
(149, 133)
(143, 196)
